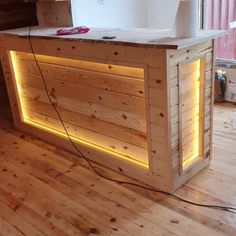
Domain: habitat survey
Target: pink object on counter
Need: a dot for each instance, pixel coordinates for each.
(77, 30)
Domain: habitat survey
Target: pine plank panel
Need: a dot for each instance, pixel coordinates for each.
(71, 178)
(159, 151)
(117, 101)
(189, 149)
(101, 52)
(108, 68)
(161, 214)
(100, 140)
(154, 63)
(125, 119)
(17, 222)
(221, 222)
(224, 225)
(186, 54)
(221, 190)
(116, 219)
(7, 229)
(157, 116)
(156, 97)
(127, 215)
(158, 134)
(101, 79)
(156, 78)
(36, 220)
(65, 213)
(109, 129)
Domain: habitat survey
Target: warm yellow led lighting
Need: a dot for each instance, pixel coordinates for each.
(196, 146)
(18, 80)
(24, 114)
(190, 160)
(85, 143)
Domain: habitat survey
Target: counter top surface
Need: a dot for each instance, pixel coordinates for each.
(155, 38)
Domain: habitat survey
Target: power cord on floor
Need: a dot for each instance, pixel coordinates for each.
(224, 208)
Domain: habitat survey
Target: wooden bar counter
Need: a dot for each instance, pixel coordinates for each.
(140, 104)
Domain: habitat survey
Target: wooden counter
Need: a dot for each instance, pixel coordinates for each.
(140, 104)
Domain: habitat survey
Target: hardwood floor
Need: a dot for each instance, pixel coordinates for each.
(47, 191)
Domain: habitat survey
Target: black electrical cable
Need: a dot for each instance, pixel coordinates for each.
(224, 208)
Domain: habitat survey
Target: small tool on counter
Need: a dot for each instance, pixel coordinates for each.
(109, 37)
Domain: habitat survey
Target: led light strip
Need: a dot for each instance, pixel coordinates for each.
(56, 132)
(196, 155)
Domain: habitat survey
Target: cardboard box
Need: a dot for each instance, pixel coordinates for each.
(230, 95)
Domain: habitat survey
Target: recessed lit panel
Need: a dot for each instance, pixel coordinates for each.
(191, 109)
(102, 105)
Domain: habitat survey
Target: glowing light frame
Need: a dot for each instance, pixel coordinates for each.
(199, 122)
(58, 133)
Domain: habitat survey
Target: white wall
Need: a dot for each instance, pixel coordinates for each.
(124, 13)
(112, 13)
(161, 13)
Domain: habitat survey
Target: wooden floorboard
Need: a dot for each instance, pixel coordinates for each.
(47, 191)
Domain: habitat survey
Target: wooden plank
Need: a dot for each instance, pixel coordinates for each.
(212, 68)
(157, 116)
(23, 227)
(91, 123)
(28, 63)
(118, 164)
(158, 134)
(188, 67)
(126, 119)
(146, 38)
(36, 220)
(191, 74)
(72, 185)
(189, 150)
(89, 51)
(80, 190)
(189, 117)
(198, 188)
(93, 138)
(157, 97)
(156, 77)
(68, 216)
(7, 229)
(190, 98)
(112, 100)
(84, 77)
(55, 167)
(187, 54)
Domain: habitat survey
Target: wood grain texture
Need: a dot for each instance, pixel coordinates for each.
(150, 38)
(124, 109)
(134, 90)
(188, 98)
(76, 92)
(47, 191)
